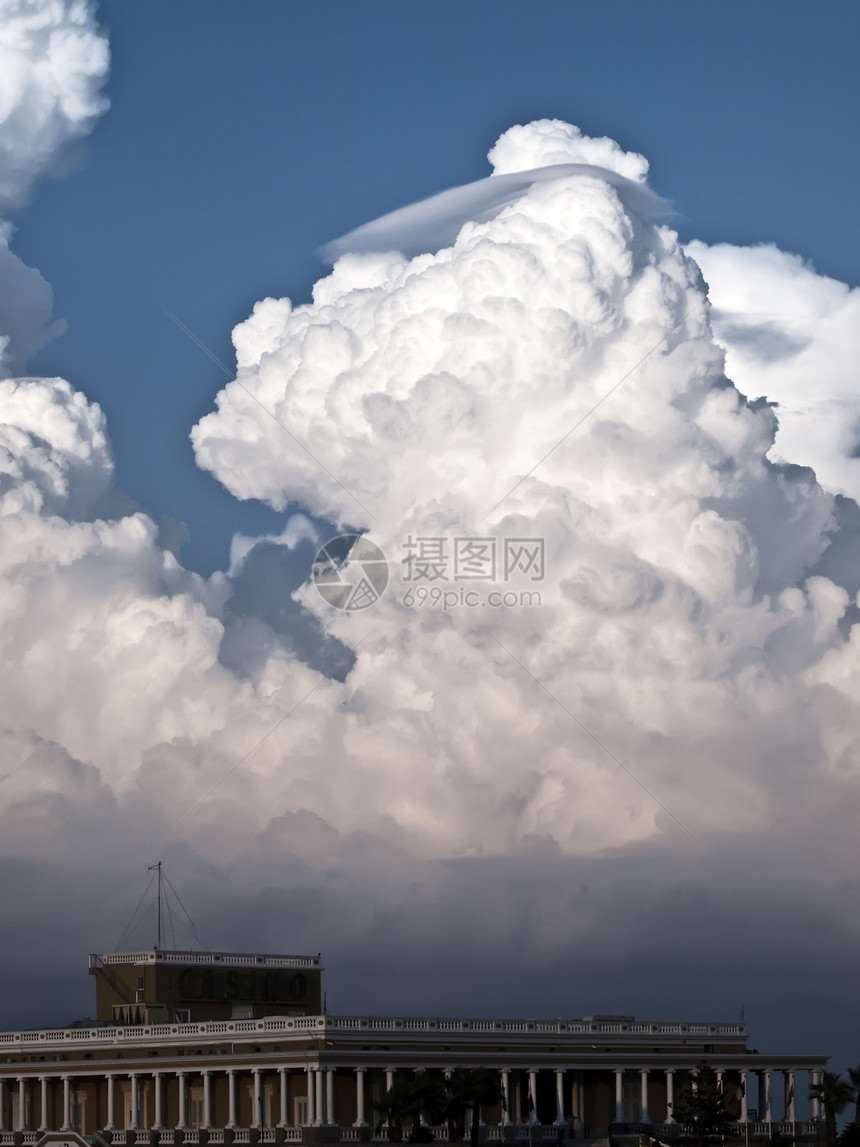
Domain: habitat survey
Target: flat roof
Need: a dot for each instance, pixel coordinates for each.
(228, 959)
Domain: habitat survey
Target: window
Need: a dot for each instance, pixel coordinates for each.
(300, 1111)
(182, 1015)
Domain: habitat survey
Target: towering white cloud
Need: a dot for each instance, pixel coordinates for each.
(509, 781)
(552, 374)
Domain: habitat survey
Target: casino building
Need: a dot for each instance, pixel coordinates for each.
(221, 1048)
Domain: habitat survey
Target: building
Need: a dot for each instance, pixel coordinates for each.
(221, 1048)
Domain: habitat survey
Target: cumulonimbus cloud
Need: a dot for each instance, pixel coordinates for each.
(679, 700)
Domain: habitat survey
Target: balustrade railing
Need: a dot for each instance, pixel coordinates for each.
(521, 1133)
(392, 1025)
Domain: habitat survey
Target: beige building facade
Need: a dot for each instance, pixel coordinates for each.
(225, 1048)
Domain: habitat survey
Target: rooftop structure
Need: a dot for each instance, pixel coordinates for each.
(225, 1047)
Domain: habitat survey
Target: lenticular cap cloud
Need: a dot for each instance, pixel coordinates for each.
(433, 223)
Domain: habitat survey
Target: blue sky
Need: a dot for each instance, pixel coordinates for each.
(241, 137)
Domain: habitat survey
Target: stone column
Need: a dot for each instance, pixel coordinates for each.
(158, 1111)
(318, 1097)
(329, 1095)
(670, 1095)
(576, 1101)
(183, 1096)
(506, 1096)
(67, 1103)
(559, 1097)
(257, 1117)
(619, 1101)
(815, 1076)
(231, 1098)
(360, 1121)
(643, 1105)
(22, 1104)
(533, 1111)
(389, 1078)
(312, 1114)
(2, 1104)
(789, 1096)
(111, 1103)
(744, 1115)
(768, 1117)
(133, 1125)
(284, 1120)
(43, 1122)
(206, 1121)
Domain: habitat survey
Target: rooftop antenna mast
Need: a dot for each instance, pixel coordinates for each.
(157, 867)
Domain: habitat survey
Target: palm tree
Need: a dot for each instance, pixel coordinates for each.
(474, 1087)
(834, 1094)
(399, 1102)
(854, 1077)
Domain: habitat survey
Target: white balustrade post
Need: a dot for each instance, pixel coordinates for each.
(670, 1095)
(360, 1120)
(231, 1098)
(284, 1120)
(111, 1103)
(43, 1122)
(318, 1098)
(744, 1111)
(643, 1087)
(206, 1121)
(158, 1111)
(183, 1096)
(312, 1114)
(559, 1097)
(619, 1104)
(506, 1096)
(67, 1103)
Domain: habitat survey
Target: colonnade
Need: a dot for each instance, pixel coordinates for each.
(765, 1098)
(320, 1095)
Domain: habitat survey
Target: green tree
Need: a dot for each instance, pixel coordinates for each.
(834, 1094)
(702, 1110)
